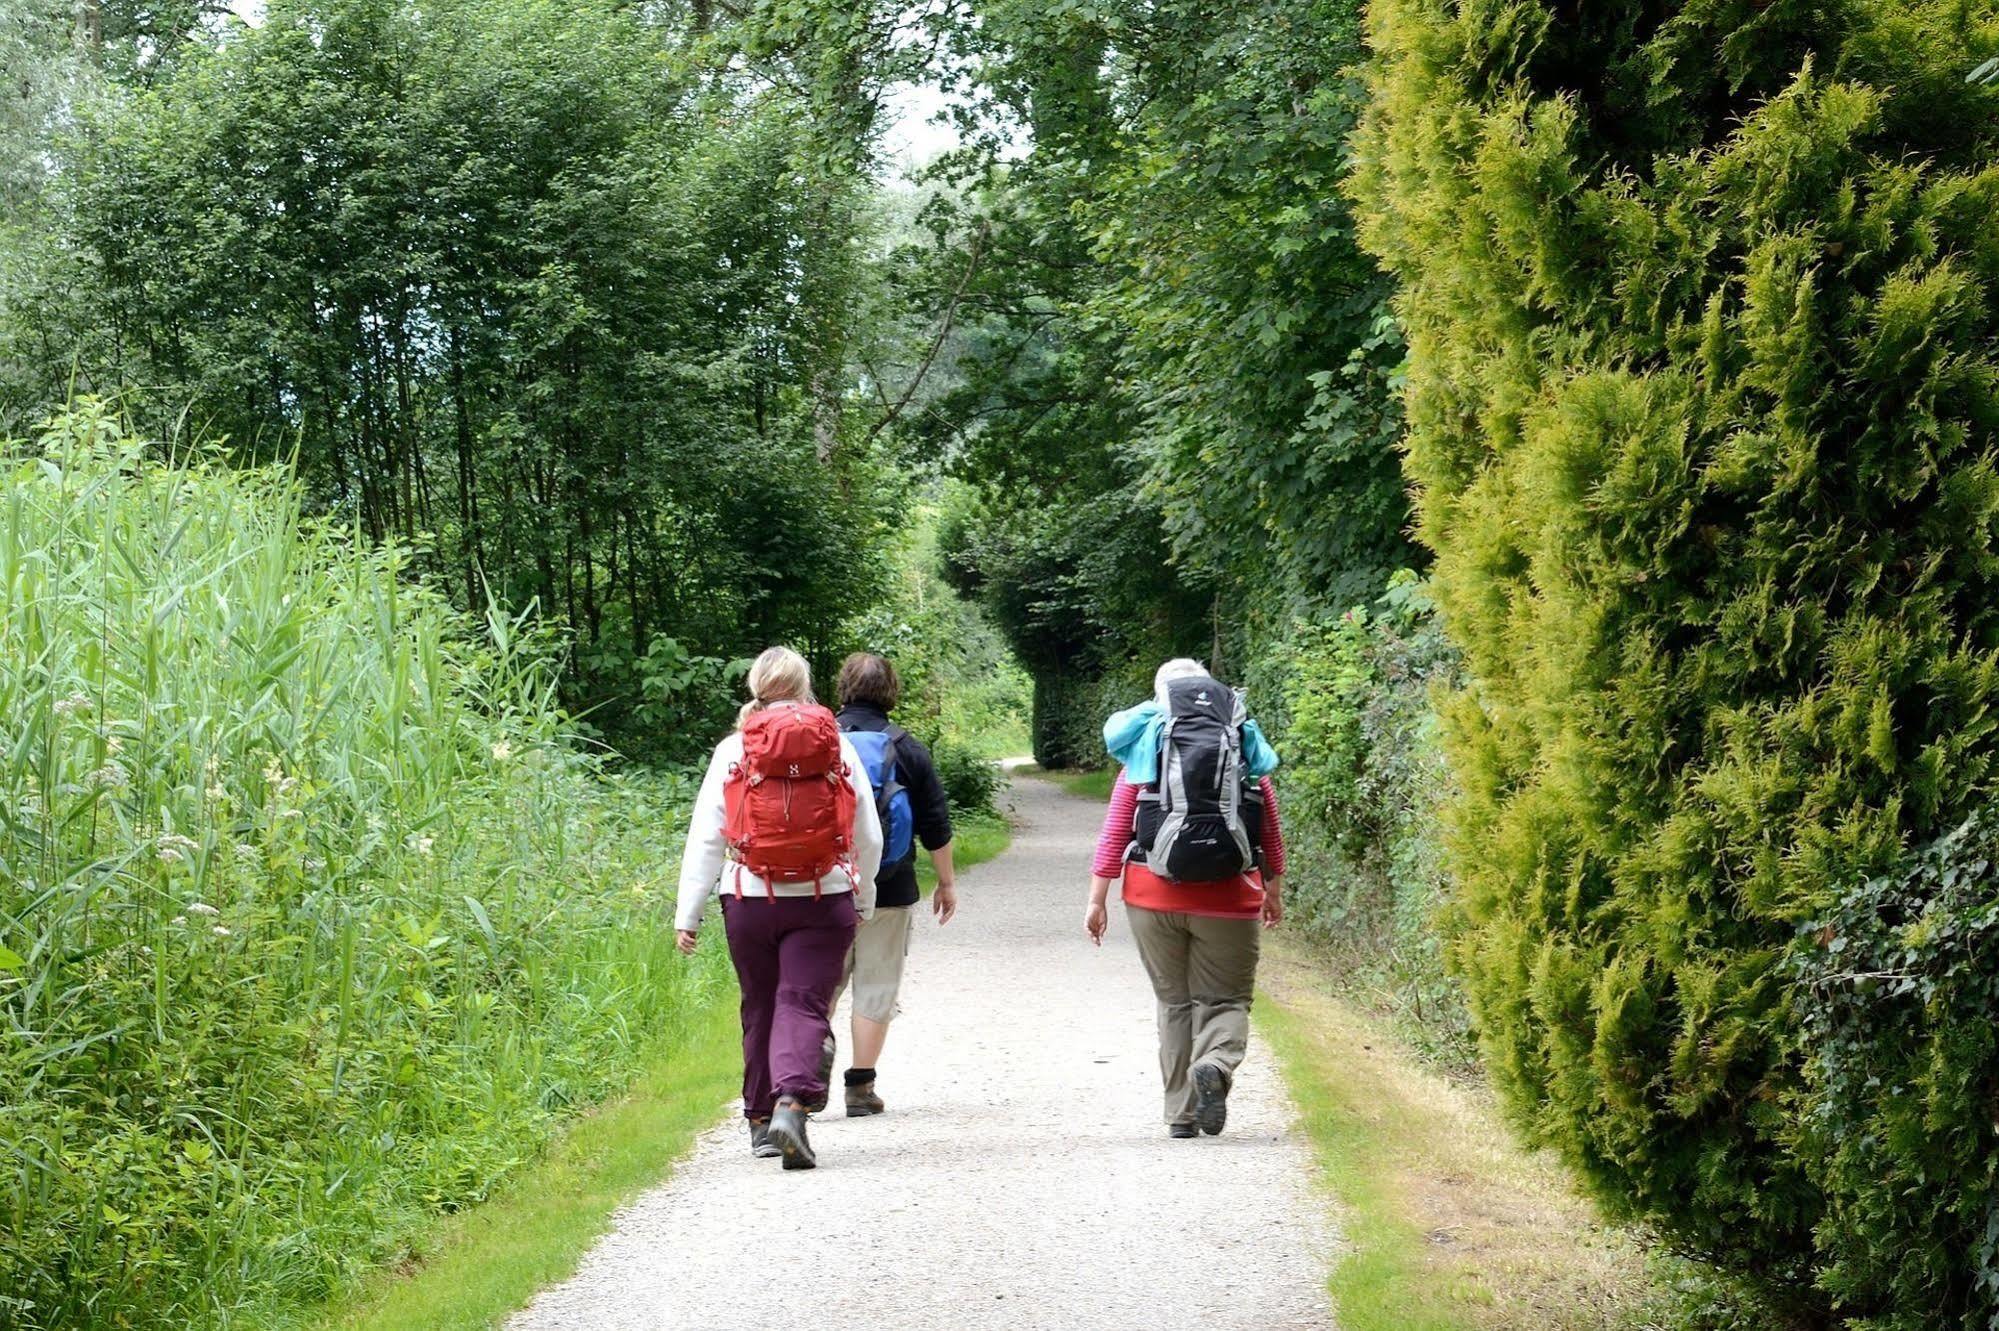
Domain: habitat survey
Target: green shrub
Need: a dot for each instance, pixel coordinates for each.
(1361, 785)
(971, 780)
(1899, 986)
(311, 921)
(1702, 396)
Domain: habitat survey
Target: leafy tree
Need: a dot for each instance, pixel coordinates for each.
(528, 281)
(1254, 336)
(1703, 401)
(1176, 377)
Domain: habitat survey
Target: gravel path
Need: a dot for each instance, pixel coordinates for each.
(1021, 1179)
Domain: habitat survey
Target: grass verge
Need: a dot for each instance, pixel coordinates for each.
(1095, 785)
(975, 838)
(1447, 1226)
(474, 1269)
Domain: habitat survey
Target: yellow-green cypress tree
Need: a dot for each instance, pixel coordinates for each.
(1704, 402)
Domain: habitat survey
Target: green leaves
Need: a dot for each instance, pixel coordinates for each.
(526, 286)
(1701, 393)
(327, 914)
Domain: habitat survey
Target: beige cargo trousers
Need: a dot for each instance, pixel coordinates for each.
(1203, 973)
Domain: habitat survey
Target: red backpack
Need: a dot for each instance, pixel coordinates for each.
(788, 806)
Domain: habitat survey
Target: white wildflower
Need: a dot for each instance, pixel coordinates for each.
(246, 850)
(114, 744)
(502, 751)
(312, 865)
(75, 704)
(217, 794)
(168, 855)
(111, 776)
(201, 908)
(290, 813)
(421, 844)
(220, 931)
(178, 919)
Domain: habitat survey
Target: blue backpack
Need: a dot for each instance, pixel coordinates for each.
(878, 759)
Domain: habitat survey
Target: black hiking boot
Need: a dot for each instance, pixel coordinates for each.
(761, 1146)
(1211, 1091)
(1182, 1130)
(787, 1133)
(829, 1050)
(862, 1100)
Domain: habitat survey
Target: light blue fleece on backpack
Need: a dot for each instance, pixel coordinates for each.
(1133, 737)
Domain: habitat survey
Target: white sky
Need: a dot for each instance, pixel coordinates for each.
(914, 135)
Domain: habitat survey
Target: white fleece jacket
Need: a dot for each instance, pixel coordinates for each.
(704, 865)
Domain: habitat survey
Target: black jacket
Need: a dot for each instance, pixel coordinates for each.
(895, 884)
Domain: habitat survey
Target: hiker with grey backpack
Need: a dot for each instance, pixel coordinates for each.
(1194, 833)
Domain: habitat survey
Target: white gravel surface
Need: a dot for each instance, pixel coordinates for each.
(1021, 1179)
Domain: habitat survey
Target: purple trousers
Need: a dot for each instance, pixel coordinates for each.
(789, 953)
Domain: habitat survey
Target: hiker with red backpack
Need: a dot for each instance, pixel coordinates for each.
(1193, 831)
(914, 810)
(785, 826)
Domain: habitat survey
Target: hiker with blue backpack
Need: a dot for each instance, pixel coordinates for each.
(913, 809)
(1193, 831)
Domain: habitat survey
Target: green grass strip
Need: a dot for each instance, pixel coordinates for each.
(485, 1263)
(1382, 1281)
(1095, 785)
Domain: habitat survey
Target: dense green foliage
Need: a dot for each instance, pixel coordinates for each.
(527, 284)
(1362, 785)
(311, 919)
(1176, 394)
(1703, 392)
(1898, 982)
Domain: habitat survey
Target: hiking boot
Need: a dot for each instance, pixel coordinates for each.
(787, 1133)
(862, 1100)
(829, 1050)
(1179, 1130)
(761, 1146)
(1211, 1092)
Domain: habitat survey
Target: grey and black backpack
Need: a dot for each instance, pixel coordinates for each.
(1204, 820)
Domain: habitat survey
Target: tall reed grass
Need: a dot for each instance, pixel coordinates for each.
(312, 920)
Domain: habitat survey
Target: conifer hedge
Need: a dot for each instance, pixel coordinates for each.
(1703, 407)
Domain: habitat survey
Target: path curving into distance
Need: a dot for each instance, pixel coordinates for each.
(1021, 1179)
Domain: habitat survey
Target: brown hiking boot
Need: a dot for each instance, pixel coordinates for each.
(1211, 1098)
(862, 1100)
(761, 1146)
(787, 1133)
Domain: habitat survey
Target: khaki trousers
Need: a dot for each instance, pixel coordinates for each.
(875, 964)
(1203, 973)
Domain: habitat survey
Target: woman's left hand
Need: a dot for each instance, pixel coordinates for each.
(1273, 903)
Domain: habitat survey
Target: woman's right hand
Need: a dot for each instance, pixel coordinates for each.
(1095, 920)
(686, 940)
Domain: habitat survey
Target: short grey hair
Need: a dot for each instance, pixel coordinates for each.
(1180, 667)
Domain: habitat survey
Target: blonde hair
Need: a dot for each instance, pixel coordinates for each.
(779, 675)
(1180, 667)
